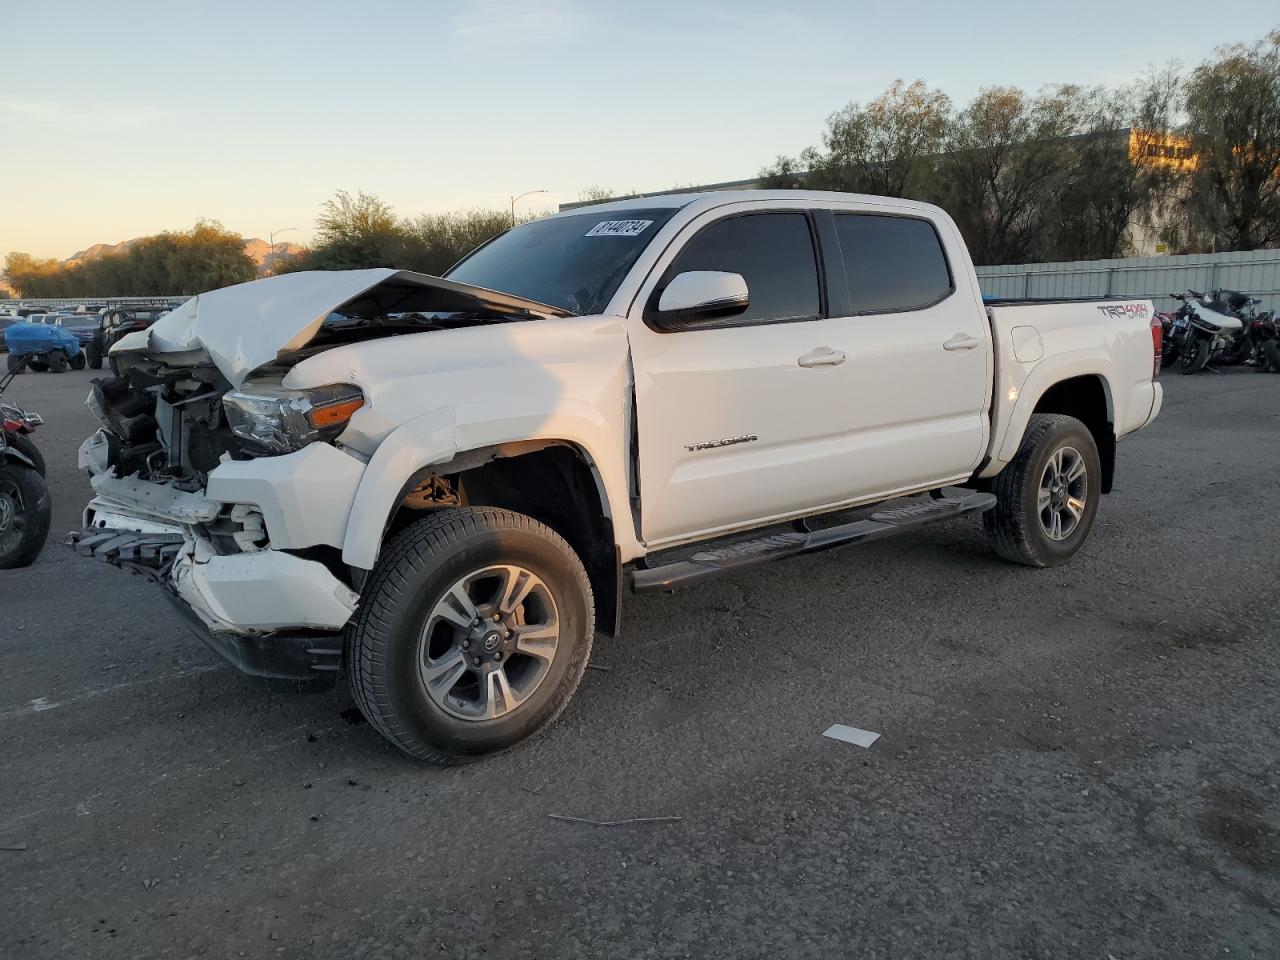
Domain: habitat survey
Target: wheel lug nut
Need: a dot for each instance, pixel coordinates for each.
(466, 644)
(475, 661)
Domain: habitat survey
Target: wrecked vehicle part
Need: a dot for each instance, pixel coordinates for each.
(248, 326)
(260, 592)
(305, 497)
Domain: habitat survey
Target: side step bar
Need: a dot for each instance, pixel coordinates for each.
(749, 553)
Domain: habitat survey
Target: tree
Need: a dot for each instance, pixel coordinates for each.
(364, 231)
(887, 147)
(203, 258)
(1113, 174)
(1003, 169)
(1233, 113)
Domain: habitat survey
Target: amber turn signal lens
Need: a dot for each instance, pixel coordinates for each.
(334, 414)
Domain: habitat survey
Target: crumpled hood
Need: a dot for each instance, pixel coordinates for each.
(244, 327)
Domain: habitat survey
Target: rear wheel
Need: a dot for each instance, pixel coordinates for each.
(1271, 355)
(57, 362)
(78, 361)
(39, 366)
(12, 362)
(472, 634)
(24, 515)
(1048, 495)
(1195, 356)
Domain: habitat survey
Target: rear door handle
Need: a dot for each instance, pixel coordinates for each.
(962, 341)
(822, 357)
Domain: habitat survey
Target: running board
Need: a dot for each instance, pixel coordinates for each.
(749, 553)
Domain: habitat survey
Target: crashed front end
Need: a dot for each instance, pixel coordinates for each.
(204, 498)
(229, 485)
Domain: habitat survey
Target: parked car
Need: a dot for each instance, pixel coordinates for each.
(84, 327)
(42, 347)
(444, 491)
(115, 323)
(7, 321)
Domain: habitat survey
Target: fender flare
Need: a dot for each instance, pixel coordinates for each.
(11, 455)
(442, 436)
(1045, 375)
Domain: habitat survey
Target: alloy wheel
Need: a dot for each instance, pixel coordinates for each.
(1064, 489)
(489, 642)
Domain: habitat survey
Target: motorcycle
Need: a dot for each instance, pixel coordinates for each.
(25, 510)
(1204, 329)
(1264, 330)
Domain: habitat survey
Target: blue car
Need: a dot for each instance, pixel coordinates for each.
(42, 346)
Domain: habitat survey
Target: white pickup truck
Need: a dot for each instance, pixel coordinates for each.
(443, 487)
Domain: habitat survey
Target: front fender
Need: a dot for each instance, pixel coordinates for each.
(441, 435)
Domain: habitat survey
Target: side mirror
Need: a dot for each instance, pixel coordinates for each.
(703, 295)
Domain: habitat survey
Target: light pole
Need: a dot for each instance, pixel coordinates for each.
(528, 193)
(272, 255)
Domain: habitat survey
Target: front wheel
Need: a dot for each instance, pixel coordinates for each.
(93, 355)
(1047, 497)
(1195, 356)
(78, 361)
(1270, 356)
(473, 633)
(25, 513)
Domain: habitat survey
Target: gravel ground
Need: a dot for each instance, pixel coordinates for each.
(1074, 763)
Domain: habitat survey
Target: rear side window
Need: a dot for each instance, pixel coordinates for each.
(773, 252)
(892, 263)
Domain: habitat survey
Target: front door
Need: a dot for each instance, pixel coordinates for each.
(742, 419)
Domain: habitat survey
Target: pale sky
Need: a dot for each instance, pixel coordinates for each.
(131, 117)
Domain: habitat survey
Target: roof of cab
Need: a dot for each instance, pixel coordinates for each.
(715, 198)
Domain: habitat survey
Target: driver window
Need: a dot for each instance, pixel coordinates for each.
(774, 253)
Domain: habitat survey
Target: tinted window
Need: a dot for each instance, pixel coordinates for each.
(893, 263)
(774, 254)
(575, 262)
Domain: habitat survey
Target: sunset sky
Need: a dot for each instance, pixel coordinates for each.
(122, 119)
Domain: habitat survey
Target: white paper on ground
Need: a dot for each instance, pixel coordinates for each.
(861, 738)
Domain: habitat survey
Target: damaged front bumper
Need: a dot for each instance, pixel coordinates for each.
(270, 613)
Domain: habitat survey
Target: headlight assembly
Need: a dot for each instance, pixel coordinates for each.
(273, 419)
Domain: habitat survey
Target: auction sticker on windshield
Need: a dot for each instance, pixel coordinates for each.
(619, 228)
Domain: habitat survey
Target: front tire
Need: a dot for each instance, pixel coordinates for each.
(472, 634)
(25, 513)
(93, 355)
(1047, 497)
(1195, 356)
(1270, 356)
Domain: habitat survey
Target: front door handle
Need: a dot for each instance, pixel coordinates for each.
(822, 357)
(962, 341)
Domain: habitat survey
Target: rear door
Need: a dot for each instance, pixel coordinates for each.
(919, 366)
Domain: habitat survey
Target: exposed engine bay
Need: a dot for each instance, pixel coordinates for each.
(166, 426)
(190, 394)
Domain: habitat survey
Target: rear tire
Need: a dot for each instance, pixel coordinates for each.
(1045, 480)
(78, 361)
(1271, 355)
(404, 634)
(1196, 357)
(39, 366)
(24, 515)
(57, 362)
(11, 363)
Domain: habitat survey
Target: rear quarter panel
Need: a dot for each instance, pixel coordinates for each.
(1039, 345)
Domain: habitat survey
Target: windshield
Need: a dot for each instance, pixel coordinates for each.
(575, 262)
